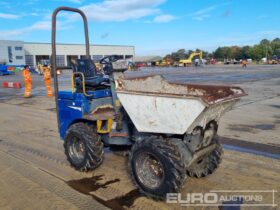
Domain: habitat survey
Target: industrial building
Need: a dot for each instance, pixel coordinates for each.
(29, 53)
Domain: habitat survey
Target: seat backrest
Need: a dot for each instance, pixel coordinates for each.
(87, 67)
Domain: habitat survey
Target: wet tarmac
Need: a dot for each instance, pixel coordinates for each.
(211, 74)
(271, 151)
(30, 149)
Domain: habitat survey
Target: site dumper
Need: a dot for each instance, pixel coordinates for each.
(171, 129)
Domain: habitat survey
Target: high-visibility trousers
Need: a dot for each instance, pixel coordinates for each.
(48, 87)
(28, 87)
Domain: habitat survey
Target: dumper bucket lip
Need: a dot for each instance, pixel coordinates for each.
(182, 96)
(214, 93)
(157, 85)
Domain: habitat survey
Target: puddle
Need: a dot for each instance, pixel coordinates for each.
(88, 185)
(250, 128)
(251, 151)
(243, 128)
(275, 106)
(266, 150)
(264, 126)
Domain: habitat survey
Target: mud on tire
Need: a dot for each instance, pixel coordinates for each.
(208, 164)
(83, 147)
(166, 171)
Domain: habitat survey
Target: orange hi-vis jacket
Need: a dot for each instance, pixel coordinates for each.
(47, 74)
(27, 76)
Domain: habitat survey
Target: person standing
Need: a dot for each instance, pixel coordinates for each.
(244, 63)
(27, 81)
(47, 78)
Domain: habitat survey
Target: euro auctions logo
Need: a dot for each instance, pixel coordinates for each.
(265, 198)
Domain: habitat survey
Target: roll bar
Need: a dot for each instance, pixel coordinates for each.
(53, 60)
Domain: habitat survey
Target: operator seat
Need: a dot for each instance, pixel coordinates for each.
(93, 80)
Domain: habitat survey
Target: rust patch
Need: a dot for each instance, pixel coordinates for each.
(118, 134)
(214, 93)
(102, 113)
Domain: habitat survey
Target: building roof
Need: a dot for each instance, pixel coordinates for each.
(65, 43)
(80, 44)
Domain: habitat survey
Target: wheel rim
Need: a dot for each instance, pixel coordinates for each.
(77, 150)
(149, 170)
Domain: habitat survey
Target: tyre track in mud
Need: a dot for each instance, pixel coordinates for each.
(56, 188)
(82, 184)
(116, 199)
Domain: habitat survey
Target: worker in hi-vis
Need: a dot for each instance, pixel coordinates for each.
(47, 78)
(27, 81)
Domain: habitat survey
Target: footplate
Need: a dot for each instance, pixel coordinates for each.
(104, 126)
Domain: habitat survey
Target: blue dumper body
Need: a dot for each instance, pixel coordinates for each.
(75, 107)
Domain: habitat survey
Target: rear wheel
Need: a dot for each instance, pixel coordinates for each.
(83, 147)
(157, 166)
(208, 163)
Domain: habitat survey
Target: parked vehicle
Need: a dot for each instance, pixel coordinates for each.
(189, 60)
(4, 70)
(171, 128)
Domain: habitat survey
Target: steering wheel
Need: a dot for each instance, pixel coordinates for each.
(107, 60)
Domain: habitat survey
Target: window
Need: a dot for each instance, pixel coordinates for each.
(97, 58)
(29, 60)
(60, 61)
(10, 54)
(128, 56)
(19, 57)
(83, 56)
(18, 48)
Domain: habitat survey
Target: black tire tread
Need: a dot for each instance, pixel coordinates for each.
(212, 163)
(172, 150)
(94, 146)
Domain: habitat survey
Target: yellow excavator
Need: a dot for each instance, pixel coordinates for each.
(165, 62)
(188, 61)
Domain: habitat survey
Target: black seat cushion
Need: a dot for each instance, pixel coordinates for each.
(92, 79)
(87, 67)
(97, 81)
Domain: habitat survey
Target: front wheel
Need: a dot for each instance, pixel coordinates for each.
(157, 166)
(208, 163)
(83, 147)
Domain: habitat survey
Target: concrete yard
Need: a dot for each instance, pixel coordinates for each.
(34, 172)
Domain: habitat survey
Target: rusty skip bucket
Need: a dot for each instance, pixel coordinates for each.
(157, 106)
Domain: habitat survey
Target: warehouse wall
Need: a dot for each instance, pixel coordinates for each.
(12, 52)
(20, 53)
(66, 50)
